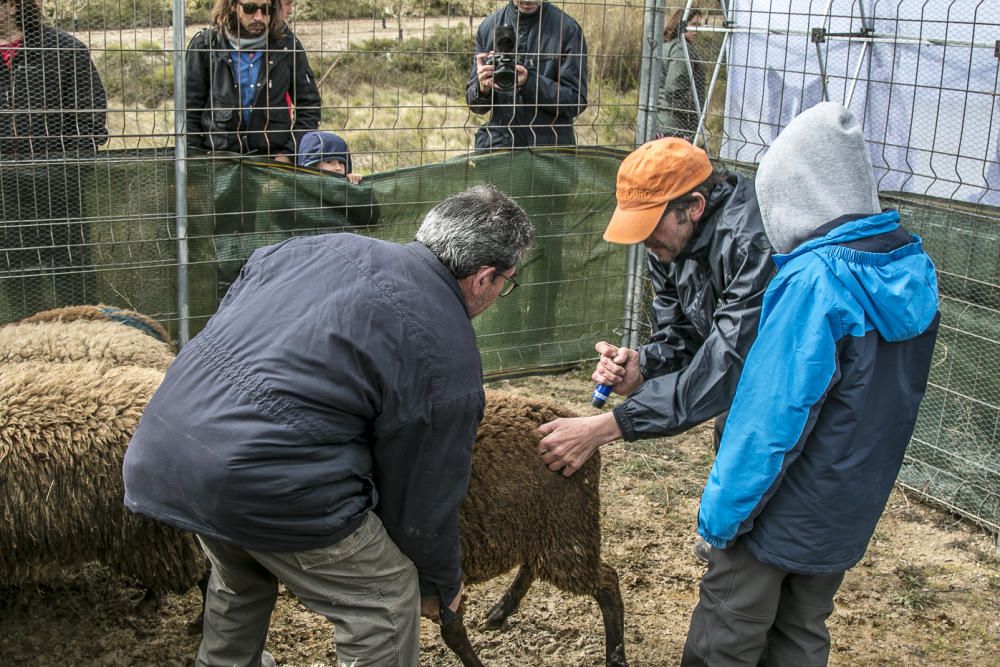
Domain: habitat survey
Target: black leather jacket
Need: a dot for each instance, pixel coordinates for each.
(706, 309)
(551, 46)
(51, 99)
(214, 118)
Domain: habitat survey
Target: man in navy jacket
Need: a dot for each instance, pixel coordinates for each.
(337, 390)
(825, 406)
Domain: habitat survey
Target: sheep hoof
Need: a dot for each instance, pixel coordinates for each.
(494, 621)
(194, 627)
(616, 658)
(149, 604)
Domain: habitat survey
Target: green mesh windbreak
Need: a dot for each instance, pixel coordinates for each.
(954, 456)
(103, 231)
(120, 246)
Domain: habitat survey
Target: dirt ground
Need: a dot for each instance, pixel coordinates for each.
(316, 36)
(927, 593)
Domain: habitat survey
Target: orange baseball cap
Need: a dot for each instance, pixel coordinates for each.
(648, 179)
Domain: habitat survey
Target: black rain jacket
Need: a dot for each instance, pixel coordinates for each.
(52, 101)
(706, 310)
(551, 45)
(214, 117)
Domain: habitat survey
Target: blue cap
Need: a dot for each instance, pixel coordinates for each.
(318, 147)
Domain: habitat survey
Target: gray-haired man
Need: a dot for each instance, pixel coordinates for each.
(319, 430)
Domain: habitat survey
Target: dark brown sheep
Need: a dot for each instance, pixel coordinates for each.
(64, 428)
(518, 513)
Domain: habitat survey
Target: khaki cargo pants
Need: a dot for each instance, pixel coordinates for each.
(363, 584)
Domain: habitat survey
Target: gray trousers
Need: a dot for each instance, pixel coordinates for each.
(363, 584)
(754, 614)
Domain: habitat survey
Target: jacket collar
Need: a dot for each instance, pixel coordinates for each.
(219, 41)
(521, 22)
(429, 258)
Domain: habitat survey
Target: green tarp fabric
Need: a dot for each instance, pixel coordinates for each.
(104, 231)
(954, 455)
(573, 283)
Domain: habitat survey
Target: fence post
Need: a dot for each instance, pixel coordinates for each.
(180, 173)
(649, 90)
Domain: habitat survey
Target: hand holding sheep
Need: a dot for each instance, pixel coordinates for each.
(569, 443)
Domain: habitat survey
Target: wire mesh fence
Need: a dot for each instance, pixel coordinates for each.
(199, 151)
(141, 163)
(922, 77)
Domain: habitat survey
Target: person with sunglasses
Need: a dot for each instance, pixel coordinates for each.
(245, 75)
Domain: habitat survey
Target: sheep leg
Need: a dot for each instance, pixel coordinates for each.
(457, 639)
(508, 604)
(149, 603)
(609, 599)
(194, 627)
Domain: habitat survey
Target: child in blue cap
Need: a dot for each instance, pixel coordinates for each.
(327, 151)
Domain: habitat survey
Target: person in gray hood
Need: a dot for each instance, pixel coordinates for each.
(825, 406)
(318, 431)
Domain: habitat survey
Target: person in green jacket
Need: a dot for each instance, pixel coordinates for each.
(676, 110)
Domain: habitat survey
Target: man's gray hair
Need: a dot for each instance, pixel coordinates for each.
(479, 227)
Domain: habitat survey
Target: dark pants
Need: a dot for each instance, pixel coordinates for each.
(363, 584)
(754, 614)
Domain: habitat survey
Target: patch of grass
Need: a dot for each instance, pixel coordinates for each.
(143, 75)
(644, 467)
(437, 61)
(913, 593)
(614, 41)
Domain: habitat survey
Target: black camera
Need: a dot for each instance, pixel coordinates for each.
(504, 60)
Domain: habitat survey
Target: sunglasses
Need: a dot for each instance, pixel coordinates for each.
(250, 8)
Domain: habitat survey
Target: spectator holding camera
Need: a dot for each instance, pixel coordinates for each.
(245, 74)
(530, 75)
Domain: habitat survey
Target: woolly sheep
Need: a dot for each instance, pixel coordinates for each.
(64, 429)
(63, 432)
(104, 341)
(103, 313)
(517, 512)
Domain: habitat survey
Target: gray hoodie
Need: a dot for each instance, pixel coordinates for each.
(821, 152)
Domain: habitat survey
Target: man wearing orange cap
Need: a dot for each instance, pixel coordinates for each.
(709, 262)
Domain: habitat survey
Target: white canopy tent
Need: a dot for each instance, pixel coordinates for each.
(922, 75)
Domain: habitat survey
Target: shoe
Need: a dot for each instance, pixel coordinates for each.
(267, 660)
(702, 550)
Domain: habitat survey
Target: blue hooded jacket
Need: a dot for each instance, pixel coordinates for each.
(318, 147)
(828, 397)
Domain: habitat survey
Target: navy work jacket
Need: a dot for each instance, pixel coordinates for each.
(339, 375)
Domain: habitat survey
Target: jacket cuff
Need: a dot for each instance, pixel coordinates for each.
(473, 96)
(716, 542)
(527, 91)
(624, 422)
